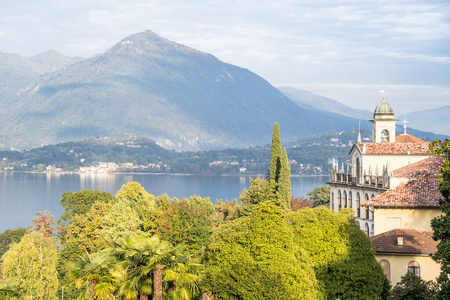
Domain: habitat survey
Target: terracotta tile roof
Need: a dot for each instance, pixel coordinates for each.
(421, 191)
(396, 148)
(407, 138)
(428, 166)
(414, 242)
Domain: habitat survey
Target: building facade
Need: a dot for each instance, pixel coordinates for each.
(392, 187)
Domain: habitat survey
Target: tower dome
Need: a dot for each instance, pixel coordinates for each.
(383, 110)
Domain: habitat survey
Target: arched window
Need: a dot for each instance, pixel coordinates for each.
(358, 171)
(367, 215)
(372, 231)
(386, 266)
(345, 199)
(366, 229)
(332, 201)
(358, 211)
(350, 204)
(339, 199)
(385, 136)
(414, 267)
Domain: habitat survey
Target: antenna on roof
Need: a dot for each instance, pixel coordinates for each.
(404, 125)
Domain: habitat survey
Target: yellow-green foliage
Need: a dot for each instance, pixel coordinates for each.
(32, 263)
(133, 210)
(255, 257)
(342, 255)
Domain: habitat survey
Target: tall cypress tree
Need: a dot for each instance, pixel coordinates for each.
(284, 182)
(280, 171)
(275, 154)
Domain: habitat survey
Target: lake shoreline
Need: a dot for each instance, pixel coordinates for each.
(150, 173)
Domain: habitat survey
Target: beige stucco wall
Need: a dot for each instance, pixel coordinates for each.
(429, 269)
(396, 161)
(390, 218)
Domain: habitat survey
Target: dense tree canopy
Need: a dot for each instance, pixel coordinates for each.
(81, 202)
(10, 236)
(32, 263)
(342, 255)
(319, 195)
(440, 225)
(188, 222)
(254, 257)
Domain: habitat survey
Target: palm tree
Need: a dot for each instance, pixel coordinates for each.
(143, 258)
(93, 269)
(183, 280)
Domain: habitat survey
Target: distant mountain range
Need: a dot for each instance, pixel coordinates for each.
(436, 120)
(309, 100)
(430, 121)
(148, 86)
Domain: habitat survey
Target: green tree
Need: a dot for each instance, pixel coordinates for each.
(143, 259)
(80, 203)
(92, 269)
(284, 182)
(319, 195)
(412, 287)
(440, 224)
(280, 171)
(342, 255)
(32, 263)
(133, 210)
(82, 236)
(188, 222)
(275, 154)
(254, 257)
(10, 236)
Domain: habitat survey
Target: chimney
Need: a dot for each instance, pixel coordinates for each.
(399, 238)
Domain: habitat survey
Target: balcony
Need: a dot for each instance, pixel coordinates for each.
(366, 180)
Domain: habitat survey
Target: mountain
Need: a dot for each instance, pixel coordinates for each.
(17, 72)
(435, 120)
(146, 85)
(307, 99)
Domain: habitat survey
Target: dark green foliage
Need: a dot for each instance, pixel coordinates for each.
(280, 171)
(10, 236)
(275, 154)
(319, 195)
(188, 222)
(412, 287)
(81, 202)
(441, 224)
(342, 255)
(254, 257)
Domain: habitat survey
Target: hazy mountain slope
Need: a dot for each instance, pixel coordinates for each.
(308, 99)
(436, 120)
(146, 85)
(17, 72)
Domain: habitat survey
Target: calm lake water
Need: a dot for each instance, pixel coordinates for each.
(23, 194)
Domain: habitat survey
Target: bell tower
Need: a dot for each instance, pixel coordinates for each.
(383, 123)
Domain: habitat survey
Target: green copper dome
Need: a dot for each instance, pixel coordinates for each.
(383, 108)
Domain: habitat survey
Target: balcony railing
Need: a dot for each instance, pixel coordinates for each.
(367, 180)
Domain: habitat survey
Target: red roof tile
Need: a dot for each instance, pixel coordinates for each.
(421, 191)
(428, 166)
(396, 148)
(407, 138)
(414, 242)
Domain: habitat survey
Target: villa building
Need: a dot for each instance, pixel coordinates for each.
(391, 185)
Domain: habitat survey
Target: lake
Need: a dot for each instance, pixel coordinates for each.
(23, 194)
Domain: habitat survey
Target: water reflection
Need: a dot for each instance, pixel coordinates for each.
(23, 194)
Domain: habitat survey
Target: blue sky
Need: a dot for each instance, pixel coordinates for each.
(340, 49)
